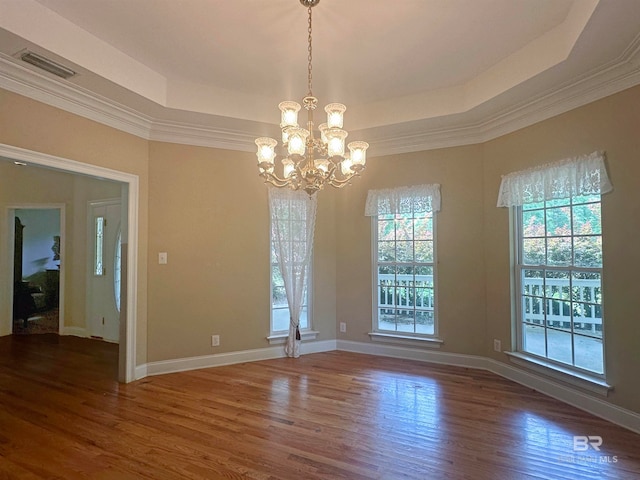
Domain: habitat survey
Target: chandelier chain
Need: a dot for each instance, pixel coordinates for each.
(310, 76)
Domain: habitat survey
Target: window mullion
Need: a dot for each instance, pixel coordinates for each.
(545, 308)
(573, 345)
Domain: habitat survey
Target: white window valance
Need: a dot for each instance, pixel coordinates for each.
(415, 199)
(583, 175)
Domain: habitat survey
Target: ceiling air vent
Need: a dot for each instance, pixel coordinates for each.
(48, 65)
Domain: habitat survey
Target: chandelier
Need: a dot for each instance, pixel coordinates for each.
(300, 169)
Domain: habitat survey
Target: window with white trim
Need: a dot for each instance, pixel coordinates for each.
(559, 278)
(558, 261)
(404, 260)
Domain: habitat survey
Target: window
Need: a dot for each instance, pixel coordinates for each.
(98, 267)
(279, 306)
(559, 272)
(404, 259)
(558, 261)
(117, 270)
(405, 262)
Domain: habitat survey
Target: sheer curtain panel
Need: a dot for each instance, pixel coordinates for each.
(293, 217)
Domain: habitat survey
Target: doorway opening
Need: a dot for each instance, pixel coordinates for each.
(129, 249)
(37, 292)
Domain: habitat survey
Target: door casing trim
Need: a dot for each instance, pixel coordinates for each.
(127, 374)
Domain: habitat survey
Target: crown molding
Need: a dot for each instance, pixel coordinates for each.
(71, 98)
(611, 78)
(197, 135)
(619, 74)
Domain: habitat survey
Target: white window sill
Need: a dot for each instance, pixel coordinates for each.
(557, 372)
(280, 338)
(405, 339)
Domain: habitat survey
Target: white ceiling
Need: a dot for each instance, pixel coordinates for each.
(414, 74)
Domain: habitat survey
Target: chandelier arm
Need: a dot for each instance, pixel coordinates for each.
(273, 179)
(334, 182)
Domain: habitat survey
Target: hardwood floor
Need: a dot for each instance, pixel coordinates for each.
(333, 415)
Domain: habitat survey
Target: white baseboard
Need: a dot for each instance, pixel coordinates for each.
(74, 331)
(140, 372)
(318, 347)
(220, 359)
(596, 406)
(430, 355)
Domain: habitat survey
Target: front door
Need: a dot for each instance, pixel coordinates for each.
(103, 292)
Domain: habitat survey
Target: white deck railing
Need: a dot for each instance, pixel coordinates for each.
(556, 308)
(389, 297)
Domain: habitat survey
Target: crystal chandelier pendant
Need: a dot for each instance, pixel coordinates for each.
(299, 167)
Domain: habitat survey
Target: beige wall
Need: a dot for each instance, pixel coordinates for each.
(32, 125)
(474, 299)
(612, 125)
(459, 227)
(208, 209)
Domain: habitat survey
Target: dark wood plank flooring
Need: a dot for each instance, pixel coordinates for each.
(333, 415)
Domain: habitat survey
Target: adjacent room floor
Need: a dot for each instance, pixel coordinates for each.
(323, 416)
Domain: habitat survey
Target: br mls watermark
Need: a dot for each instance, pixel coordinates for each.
(590, 444)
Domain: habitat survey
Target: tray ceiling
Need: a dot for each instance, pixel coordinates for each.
(414, 74)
